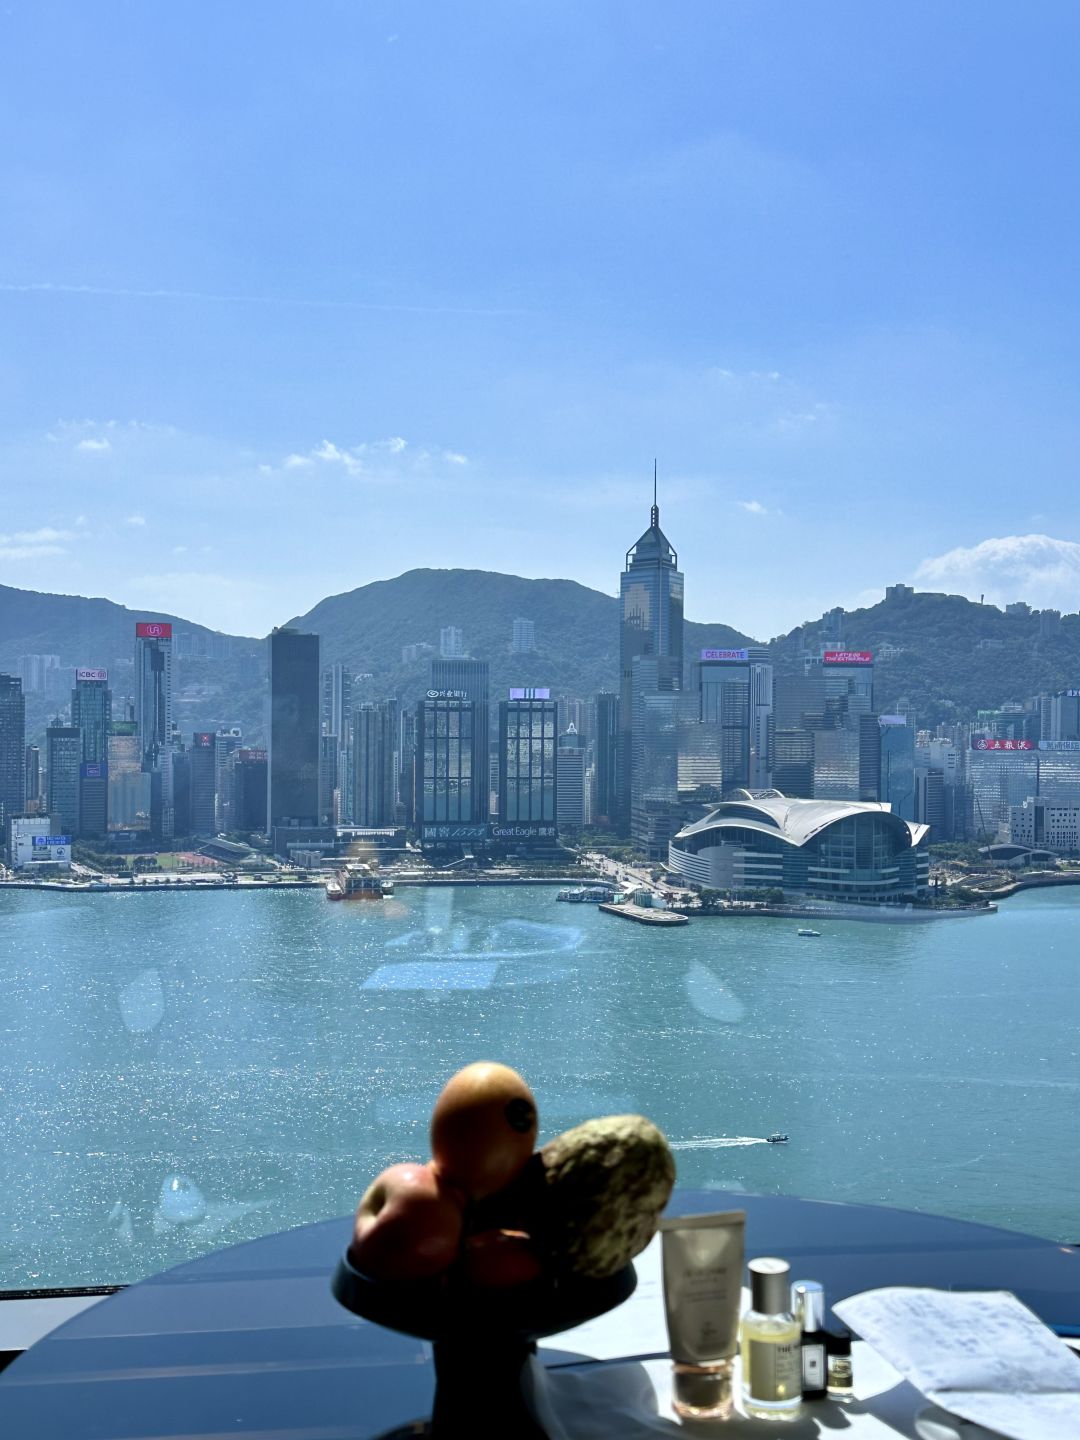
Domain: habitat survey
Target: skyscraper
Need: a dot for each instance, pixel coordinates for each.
(153, 689)
(64, 756)
(12, 750)
(154, 717)
(724, 687)
(249, 790)
(375, 734)
(91, 714)
(607, 741)
(293, 766)
(528, 764)
(651, 625)
(452, 795)
(469, 680)
(203, 782)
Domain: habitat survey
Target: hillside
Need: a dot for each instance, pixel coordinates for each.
(936, 669)
(577, 629)
(942, 673)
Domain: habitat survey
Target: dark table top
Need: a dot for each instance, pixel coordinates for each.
(248, 1341)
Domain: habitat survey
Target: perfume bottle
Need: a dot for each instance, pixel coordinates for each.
(771, 1349)
(841, 1373)
(808, 1306)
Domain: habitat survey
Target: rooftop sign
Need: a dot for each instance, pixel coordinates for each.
(892, 719)
(848, 657)
(1059, 744)
(981, 743)
(448, 694)
(91, 675)
(731, 657)
(153, 630)
(528, 693)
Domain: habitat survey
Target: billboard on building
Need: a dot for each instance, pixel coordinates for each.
(892, 719)
(982, 743)
(91, 675)
(51, 840)
(731, 657)
(93, 770)
(528, 831)
(153, 630)
(848, 657)
(1059, 744)
(454, 831)
(448, 694)
(534, 693)
(203, 740)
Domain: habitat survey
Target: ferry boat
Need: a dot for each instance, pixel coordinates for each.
(776, 1138)
(357, 881)
(805, 930)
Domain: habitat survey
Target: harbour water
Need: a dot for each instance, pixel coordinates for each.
(183, 1071)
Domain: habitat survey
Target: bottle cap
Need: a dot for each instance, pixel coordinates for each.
(838, 1342)
(770, 1292)
(808, 1304)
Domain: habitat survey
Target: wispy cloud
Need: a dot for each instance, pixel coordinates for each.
(93, 446)
(28, 552)
(45, 535)
(372, 457)
(1037, 568)
(34, 544)
(121, 292)
(137, 520)
(752, 507)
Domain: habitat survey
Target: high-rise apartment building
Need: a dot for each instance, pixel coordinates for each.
(293, 795)
(375, 738)
(63, 749)
(91, 714)
(523, 637)
(451, 642)
(12, 750)
(650, 626)
(528, 765)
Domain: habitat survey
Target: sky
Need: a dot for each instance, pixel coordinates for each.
(298, 296)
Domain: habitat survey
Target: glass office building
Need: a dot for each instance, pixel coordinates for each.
(897, 787)
(528, 762)
(451, 793)
(12, 749)
(63, 746)
(725, 693)
(293, 764)
(651, 626)
(374, 749)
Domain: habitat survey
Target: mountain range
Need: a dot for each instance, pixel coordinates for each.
(941, 657)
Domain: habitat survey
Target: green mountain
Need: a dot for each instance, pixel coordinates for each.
(577, 630)
(939, 656)
(944, 658)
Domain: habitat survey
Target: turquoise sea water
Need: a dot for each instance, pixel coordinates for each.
(182, 1071)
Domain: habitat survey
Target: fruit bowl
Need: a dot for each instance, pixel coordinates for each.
(482, 1337)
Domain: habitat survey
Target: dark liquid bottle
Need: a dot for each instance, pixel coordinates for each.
(808, 1304)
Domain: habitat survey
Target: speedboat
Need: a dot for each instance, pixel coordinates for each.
(805, 930)
(776, 1138)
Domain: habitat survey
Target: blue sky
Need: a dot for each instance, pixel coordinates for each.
(298, 296)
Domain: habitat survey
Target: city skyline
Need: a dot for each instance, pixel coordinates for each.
(256, 353)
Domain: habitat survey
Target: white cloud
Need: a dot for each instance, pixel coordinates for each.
(135, 520)
(29, 552)
(46, 535)
(93, 445)
(374, 458)
(294, 462)
(752, 507)
(395, 444)
(179, 549)
(1036, 568)
(453, 458)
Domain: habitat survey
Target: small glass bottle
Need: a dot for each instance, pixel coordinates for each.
(841, 1371)
(808, 1307)
(771, 1350)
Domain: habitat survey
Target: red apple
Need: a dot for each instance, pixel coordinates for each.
(408, 1225)
(497, 1259)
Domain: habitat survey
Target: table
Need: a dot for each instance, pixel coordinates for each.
(248, 1342)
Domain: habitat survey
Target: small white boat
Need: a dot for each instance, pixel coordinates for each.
(776, 1138)
(805, 930)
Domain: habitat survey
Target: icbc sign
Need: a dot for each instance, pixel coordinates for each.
(91, 675)
(981, 743)
(848, 657)
(153, 630)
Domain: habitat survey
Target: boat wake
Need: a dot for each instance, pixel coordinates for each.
(718, 1142)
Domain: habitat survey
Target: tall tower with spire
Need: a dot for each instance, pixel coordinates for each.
(650, 625)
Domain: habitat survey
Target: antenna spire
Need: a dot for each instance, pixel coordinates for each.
(654, 514)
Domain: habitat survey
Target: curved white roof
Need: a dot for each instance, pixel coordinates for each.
(795, 821)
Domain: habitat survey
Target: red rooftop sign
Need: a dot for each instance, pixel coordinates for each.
(848, 657)
(153, 630)
(981, 743)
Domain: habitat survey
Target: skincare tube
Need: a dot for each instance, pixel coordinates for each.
(703, 1266)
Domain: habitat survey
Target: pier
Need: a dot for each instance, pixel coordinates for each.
(643, 914)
